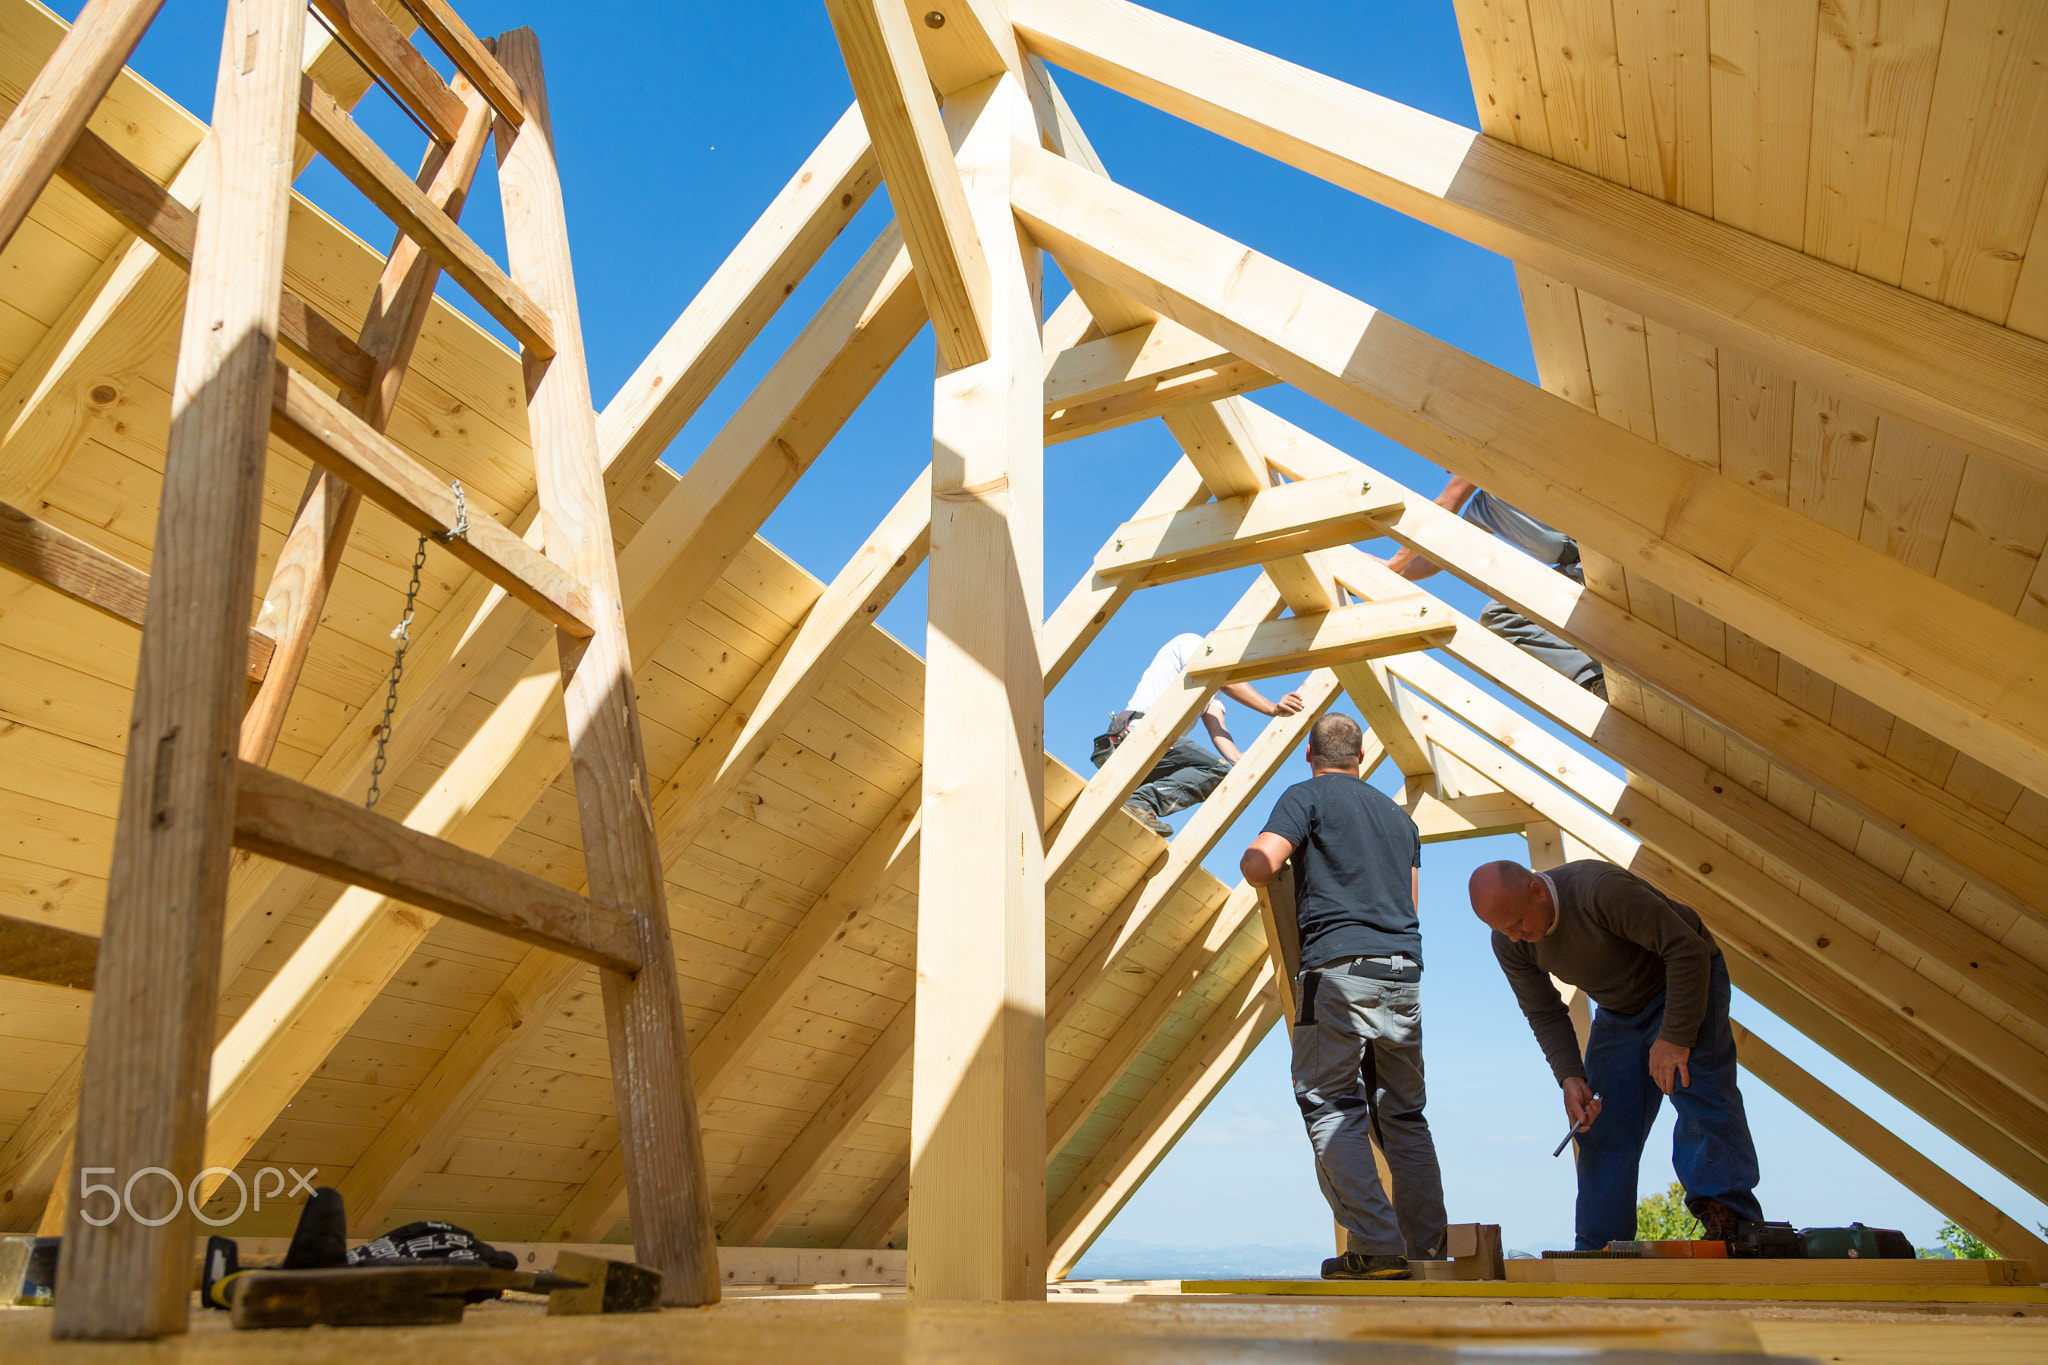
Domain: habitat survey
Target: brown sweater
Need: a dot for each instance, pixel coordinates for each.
(1622, 942)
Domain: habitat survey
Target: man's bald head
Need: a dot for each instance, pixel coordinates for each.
(1512, 900)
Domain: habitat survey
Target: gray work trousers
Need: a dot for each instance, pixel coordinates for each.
(1542, 645)
(1357, 1053)
(1184, 776)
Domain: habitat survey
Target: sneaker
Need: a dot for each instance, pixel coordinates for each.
(1356, 1265)
(1144, 816)
(1717, 1218)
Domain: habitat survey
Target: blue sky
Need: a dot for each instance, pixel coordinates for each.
(675, 125)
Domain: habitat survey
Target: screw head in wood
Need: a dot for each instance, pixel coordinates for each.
(934, 19)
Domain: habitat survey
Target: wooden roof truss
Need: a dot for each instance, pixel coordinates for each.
(1864, 829)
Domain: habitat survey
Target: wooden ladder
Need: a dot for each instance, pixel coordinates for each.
(194, 786)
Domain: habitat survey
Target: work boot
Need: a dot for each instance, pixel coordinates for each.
(1717, 1218)
(1144, 815)
(1357, 1265)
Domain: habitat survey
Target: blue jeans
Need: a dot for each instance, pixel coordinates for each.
(1711, 1149)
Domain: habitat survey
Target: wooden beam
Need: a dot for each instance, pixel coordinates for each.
(1368, 630)
(1958, 377)
(287, 820)
(964, 42)
(325, 124)
(911, 146)
(153, 213)
(2001, 859)
(1116, 380)
(1174, 711)
(30, 951)
(646, 1034)
(374, 40)
(1133, 918)
(1087, 1091)
(157, 983)
(1770, 922)
(1890, 1153)
(762, 1208)
(1231, 533)
(53, 111)
(327, 433)
(87, 574)
(470, 54)
(1238, 1024)
(855, 598)
(778, 251)
(1852, 887)
(1444, 818)
(1968, 673)
(1082, 613)
(977, 1202)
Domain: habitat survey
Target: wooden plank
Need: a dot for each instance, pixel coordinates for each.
(1232, 533)
(53, 110)
(977, 1198)
(911, 146)
(1953, 375)
(1911, 807)
(1128, 362)
(85, 573)
(1741, 557)
(471, 55)
(324, 431)
(1890, 1153)
(774, 256)
(154, 214)
(42, 952)
(287, 820)
(763, 1208)
(644, 1024)
(1238, 1024)
(371, 36)
(1154, 400)
(1081, 614)
(1730, 810)
(965, 42)
(1768, 923)
(1152, 735)
(1441, 818)
(1295, 644)
(1731, 1271)
(144, 1088)
(306, 565)
(326, 125)
(1186, 971)
(1135, 917)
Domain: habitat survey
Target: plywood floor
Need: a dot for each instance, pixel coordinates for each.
(1086, 1322)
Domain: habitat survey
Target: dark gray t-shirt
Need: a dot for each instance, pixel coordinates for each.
(1355, 852)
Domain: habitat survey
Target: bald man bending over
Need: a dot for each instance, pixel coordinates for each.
(1661, 1029)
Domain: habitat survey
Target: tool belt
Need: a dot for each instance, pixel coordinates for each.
(1119, 730)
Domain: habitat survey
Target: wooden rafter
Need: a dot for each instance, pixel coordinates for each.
(1974, 676)
(1956, 376)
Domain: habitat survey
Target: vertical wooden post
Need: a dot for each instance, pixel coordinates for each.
(663, 1150)
(1550, 845)
(977, 1133)
(143, 1105)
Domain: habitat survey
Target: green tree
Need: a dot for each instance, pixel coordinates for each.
(1664, 1217)
(1964, 1245)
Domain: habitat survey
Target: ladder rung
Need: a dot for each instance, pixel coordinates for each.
(335, 136)
(368, 33)
(85, 573)
(285, 819)
(470, 56)
(42, 952)
(148, 210)
(331, 436)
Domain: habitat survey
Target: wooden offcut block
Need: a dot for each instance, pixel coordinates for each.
(1476, 1250)
(608, 1286)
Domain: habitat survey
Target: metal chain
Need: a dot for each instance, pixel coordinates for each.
(402, 633)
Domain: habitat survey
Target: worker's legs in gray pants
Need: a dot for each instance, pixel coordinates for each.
(1184, 776)
(1342, 1019)
(1544, 647)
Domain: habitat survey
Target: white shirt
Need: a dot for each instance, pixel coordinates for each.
(1167, 668)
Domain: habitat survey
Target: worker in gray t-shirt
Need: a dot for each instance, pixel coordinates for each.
(1546, 545)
